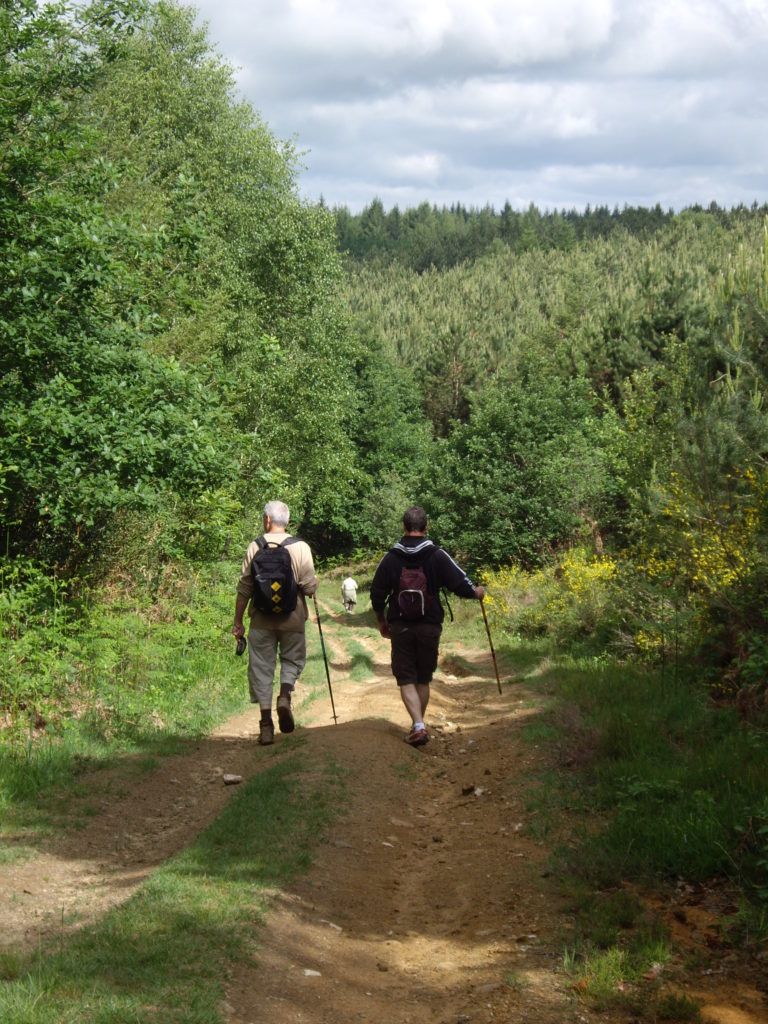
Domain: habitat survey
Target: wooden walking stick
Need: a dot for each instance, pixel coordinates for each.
(493, 653)
(325, 659)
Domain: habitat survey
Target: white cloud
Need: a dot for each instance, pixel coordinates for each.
(504, 33)
(555, 102)
(424, 167)
(681, 38)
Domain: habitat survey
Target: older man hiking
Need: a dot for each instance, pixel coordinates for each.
(405, 594)
(349, 594)
(277, 573)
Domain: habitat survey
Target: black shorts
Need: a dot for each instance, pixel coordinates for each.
(414, 651)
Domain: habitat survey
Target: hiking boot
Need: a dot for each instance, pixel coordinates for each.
(284, 714)
(266, 734)
(417, 737)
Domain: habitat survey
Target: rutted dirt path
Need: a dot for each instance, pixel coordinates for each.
(429, 898)
(426, 900)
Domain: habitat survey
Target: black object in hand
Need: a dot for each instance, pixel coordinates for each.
(240, 645)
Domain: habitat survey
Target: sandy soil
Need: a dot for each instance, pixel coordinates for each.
(429, 899)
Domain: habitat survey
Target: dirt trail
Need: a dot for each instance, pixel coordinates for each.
(426, 900)
(429, 898)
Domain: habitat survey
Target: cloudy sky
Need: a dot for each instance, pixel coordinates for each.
(554, 102)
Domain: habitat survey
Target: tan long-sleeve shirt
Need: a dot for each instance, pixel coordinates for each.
(307, 582)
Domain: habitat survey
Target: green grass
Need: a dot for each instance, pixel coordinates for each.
(362, 662)
(600, 919)
(312, 686)
(674, 1006)
(10, 853)
(120, 673)
(539, 732)
(678, 782)
(545, 800)
(648, 781)
(517, 982)
(164, 955)
(615, 950)
(407, 770)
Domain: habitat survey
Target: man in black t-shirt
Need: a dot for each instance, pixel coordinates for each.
(409, 612)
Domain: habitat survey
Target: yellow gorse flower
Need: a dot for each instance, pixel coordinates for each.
(582, 573)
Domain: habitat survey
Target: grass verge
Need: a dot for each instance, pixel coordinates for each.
(660, 786)
(130, 671)
(164, 955)
(682, 781)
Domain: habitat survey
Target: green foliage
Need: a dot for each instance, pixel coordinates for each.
(309, 401)
(92, 421)
(129, 668)
(522, 470)
(393, 445)
(166, 437)
(614, 944)
(33, 675)
(696, 437)
(245, 275)
(574, 601)
(615, 388)
(162, 337)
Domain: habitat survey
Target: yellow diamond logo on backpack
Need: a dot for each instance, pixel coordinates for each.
(275, 587)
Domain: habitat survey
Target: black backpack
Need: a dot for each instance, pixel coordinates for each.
(413, 597)
(274, 585)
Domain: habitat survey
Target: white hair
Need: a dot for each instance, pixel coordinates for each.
(278, 512)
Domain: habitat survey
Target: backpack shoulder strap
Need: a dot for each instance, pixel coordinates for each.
(262, 542)
(398, 549)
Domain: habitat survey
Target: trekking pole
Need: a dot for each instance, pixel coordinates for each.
(325, 659)
(493, 653)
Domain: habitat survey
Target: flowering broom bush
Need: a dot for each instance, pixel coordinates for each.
(571, 599)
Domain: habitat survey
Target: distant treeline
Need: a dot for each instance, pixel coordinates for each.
(429, 236)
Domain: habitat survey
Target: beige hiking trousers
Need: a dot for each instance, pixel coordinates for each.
(263, 648)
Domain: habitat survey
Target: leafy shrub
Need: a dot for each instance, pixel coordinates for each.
(34, 665)
(571, 600)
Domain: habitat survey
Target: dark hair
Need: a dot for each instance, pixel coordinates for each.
(415, 519)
